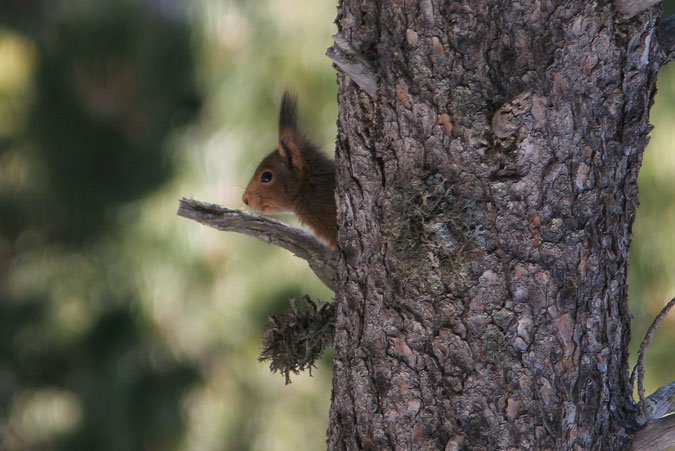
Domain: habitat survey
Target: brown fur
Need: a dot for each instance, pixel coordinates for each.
(302, 179)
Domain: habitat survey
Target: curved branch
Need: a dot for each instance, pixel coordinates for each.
(321, 259)
(639, 368)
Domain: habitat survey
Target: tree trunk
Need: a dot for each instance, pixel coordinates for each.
(485, 199)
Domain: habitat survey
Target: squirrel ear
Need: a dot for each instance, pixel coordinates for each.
(290, 141)
(290, 149)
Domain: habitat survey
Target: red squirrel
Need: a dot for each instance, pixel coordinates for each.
(296, 178)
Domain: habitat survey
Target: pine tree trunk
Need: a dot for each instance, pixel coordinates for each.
(485, 200)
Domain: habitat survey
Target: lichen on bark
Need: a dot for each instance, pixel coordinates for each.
(430, 230)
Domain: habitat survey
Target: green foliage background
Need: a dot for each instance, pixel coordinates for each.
(125, 327)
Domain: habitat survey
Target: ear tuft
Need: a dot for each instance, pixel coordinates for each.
(287, 113)
(290, 140)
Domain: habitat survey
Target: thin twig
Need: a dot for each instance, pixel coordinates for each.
(642, 352)
(321, 259)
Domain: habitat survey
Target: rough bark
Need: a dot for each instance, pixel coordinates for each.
(485, 199)
(666, 35)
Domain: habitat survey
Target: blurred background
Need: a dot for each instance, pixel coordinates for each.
(125, 327)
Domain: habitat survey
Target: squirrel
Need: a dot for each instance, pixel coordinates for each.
(296, 178)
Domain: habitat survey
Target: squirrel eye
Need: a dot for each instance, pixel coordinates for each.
(266, 177)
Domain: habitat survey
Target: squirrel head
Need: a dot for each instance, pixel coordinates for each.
(277, 182)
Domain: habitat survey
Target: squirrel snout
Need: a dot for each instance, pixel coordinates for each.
(245, 198)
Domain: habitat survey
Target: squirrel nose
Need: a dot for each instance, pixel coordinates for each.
(245, 199)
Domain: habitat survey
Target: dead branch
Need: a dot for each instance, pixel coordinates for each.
(631, 8)
(352, 63)
(660, 403)
(655, 436)
(321, 259)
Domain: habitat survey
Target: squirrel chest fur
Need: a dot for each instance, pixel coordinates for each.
(296, 178)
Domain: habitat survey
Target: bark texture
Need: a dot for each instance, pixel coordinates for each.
(485, 199)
